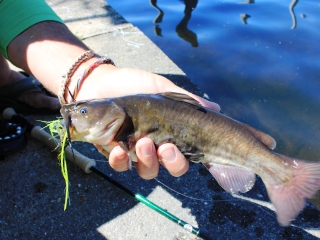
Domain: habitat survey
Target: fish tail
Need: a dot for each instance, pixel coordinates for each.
(290, 198)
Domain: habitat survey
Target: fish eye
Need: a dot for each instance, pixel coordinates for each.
(83, 110)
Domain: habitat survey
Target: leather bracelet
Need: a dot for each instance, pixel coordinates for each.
(67, 76)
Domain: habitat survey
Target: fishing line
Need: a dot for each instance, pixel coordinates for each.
(192, 198)
(184, 195)
(260, 204)
(198, 199)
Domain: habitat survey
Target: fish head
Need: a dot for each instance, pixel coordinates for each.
(96, 121)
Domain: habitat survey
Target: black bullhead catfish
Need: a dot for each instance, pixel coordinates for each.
(232, 151)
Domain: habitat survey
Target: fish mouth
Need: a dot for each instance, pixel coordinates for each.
(105, 134)
(111, 124)
(108, 129)
(69, 127)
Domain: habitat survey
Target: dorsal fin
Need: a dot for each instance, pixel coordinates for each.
(266, 139)
(181, 97)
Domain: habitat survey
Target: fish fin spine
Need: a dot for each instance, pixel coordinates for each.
(290, 199)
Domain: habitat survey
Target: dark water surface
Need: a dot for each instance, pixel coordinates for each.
(259, 60)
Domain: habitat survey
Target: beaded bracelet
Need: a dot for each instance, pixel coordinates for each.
(102, 60)
(67, 76)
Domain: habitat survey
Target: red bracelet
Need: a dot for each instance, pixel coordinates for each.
(86, 73)
(66, 77)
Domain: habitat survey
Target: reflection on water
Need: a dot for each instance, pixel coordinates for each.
(182, 28)
(262, 68)
(292, 4)
(186, 34)
(244, 17)
(158, 18)
(247, 2)
(293, 16)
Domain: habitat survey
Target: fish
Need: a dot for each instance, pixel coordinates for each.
(233, 152)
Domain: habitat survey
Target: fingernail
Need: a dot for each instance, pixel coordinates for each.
(147, 150)
(168, 155)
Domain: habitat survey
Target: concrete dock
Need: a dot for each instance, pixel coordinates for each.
(32, 187)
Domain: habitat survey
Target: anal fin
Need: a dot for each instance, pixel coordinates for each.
(232, 179)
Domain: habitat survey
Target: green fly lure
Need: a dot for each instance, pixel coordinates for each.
(57, 130)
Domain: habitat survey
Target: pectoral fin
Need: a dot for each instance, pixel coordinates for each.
(124, 146)
(125, 130)
(232, 179)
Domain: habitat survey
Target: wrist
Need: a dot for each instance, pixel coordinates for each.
(86, 80)
(66, 77)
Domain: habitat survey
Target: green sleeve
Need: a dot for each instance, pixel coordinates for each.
(18, 15)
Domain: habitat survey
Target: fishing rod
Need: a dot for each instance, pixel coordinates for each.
(88, 165)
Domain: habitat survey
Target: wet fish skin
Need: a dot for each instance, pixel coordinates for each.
(232, 151)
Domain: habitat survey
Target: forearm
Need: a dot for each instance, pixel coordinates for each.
(46, 50)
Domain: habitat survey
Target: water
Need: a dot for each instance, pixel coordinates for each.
(260, 60)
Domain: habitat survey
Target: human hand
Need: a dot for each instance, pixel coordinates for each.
(114, 82)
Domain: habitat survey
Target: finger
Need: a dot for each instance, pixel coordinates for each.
(212, 105)
(39, 100)
(148, 163)
(173, 160)
(102, 150)
(206, 103)
(50, 102)
(118, 159)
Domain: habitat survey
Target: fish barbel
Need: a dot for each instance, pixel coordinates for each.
(232, 151)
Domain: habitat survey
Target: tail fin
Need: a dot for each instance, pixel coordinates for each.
(290, 199)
